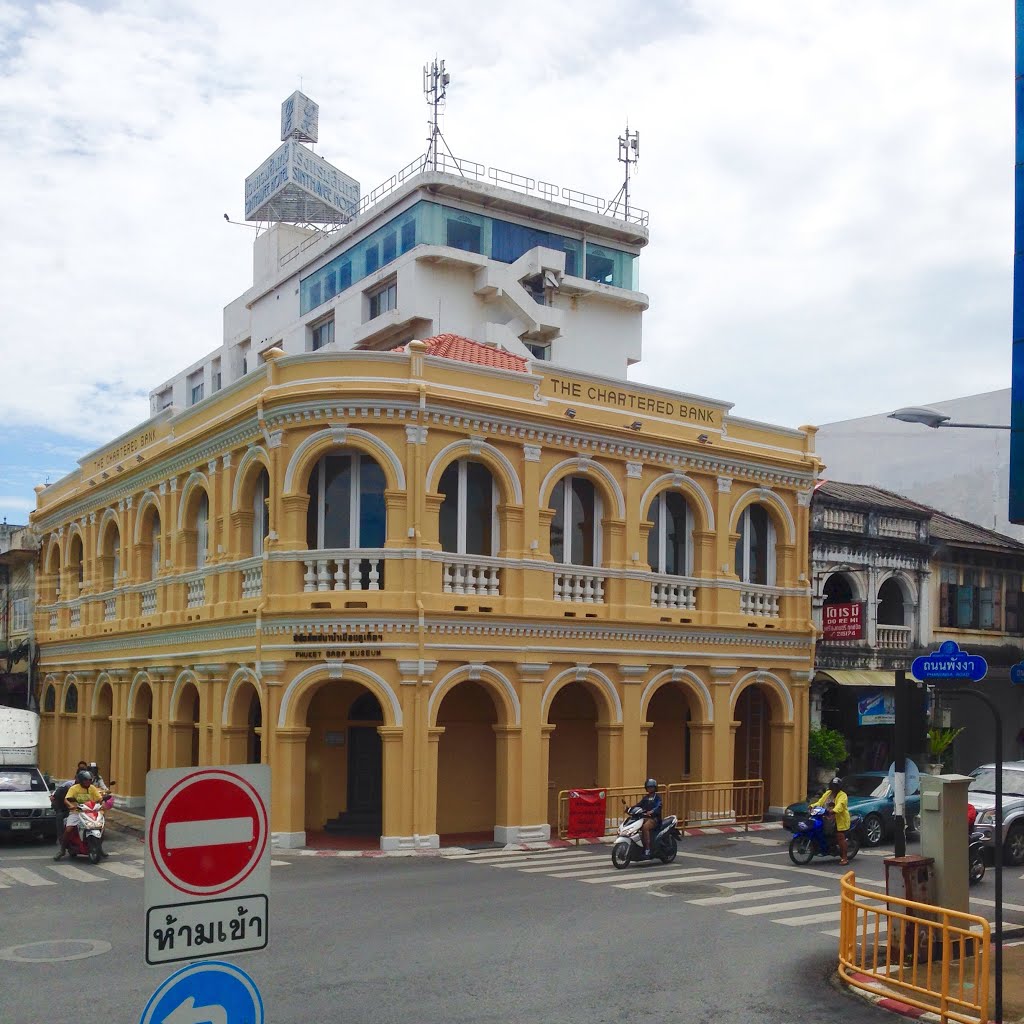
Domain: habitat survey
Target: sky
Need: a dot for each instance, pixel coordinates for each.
(829, 184)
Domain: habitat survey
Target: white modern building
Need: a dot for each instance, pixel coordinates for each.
(963, 471)
(443, 246)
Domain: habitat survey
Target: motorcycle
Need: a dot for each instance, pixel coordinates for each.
(810, 839)
(629, 846)
(976, 858)
(87, 839)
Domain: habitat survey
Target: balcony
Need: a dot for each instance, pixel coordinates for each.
(892, 638)
(342, 570)
(252, 582)
(470, 576)
(196, 593)
(761, 602)
(109, 609)
(148, 604)
(75, 617)
(843, 519)
(579, 587)
(54, 620)
(674, 592)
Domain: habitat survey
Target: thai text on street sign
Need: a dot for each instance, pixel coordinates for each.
(949, 662)
(842, 621)
(211, 992)
(208, 878)
(587, 814)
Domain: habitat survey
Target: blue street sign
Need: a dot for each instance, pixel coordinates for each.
(1017, 673)
(949, 662)
(209, 992)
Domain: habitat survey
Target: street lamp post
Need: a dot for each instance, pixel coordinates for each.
(935, 419)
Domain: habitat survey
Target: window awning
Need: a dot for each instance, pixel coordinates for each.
(856, 677)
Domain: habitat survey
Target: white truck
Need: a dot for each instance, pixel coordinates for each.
(25, 807)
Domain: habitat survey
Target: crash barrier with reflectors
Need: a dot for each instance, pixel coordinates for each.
(929, 957)
(731, 802)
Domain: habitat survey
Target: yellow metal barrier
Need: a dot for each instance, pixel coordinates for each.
(929, 957)
(734, 802)
(731, 802)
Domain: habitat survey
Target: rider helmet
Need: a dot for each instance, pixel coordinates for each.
(651, 784)
(84, 778)
(837, 783)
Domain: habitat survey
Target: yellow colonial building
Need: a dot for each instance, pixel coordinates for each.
(431, 588)
(431, 583)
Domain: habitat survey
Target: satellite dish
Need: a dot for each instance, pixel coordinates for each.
(913, 774)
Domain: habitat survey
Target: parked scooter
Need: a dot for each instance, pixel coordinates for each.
(87, 839)
(629, 846)
(810, 839)
(976, 858)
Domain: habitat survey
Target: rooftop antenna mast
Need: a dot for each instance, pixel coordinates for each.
(435, 88)
(629, 154)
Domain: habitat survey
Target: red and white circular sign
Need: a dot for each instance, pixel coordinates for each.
(208, 832)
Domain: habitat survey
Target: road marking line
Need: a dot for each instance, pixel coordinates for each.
(184, 835)
(861, 937)
(746, 897)
(660, 878)
(751, 882)
(596, 865)
(758, 841)
(607, 874)
(792, 922)
(280, 863)
(992, 903)
(76, 874)
(24, 876)
(124, 870)
(511, 862)
(773, 908)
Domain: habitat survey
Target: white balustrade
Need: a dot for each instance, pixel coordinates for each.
(466, 577)
(109, 609)
(843, 519)
(892, 637)
(348, 573)
(759, 602)
(149, 601)
(579, 587)
(196, 593)
(252, 582)
(890, 526)
(53, 620)
(76, 616)
(674, 595)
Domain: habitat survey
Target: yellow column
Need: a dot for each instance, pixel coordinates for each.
(395, 817)
(634, 736)
(288, 786)
(533, 811)
(724, 730)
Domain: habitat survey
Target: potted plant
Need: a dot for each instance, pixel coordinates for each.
(939, 742)
(826, 749)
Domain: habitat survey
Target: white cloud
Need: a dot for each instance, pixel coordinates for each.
(830, 185)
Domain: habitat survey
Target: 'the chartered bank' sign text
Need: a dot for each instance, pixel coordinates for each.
(620, 398)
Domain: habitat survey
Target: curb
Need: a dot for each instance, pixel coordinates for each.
(550, 844)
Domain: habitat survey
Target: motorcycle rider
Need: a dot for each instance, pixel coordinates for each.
(82, 791)
(835, 803)
(651, 807)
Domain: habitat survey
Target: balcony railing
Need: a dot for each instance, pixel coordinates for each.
(252, 582)
(892, 637)
(843, 519)
(674, 593)
(76, 616)
(149, 601)
(759, 601)
(579, 587)
(109, 609)
(196, 593)
(342, 570)
(54, 620)
(465, 576)
(891, 526)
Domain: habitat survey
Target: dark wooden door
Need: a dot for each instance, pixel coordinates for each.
(365, 771)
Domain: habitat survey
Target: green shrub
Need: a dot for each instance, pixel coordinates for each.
(826, 747)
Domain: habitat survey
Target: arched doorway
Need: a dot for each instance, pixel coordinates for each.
(344, 761)
(254, 729)
(838, 589)
(752, 757)
(102, 730)
(185, 729)
(669, 752)
(573, 745)
(467, 762)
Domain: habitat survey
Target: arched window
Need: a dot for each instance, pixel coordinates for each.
(111, 557)
(891, 609)
(155, 557)
(76, 565)
(50, 700)
(837, 589)
(468, 520)
(260, 516)
(71, 700)
(575, 533)
(755, 549)
(670, 542)
(202, 530)
(346, 504)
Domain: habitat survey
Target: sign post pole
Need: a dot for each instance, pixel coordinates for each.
(900, 766)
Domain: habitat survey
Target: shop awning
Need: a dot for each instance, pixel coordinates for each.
(856, 677)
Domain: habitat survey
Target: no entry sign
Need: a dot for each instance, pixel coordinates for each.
(207, 836)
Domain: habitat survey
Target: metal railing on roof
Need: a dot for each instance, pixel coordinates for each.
(479, 172)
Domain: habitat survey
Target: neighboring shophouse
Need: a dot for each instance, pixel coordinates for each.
(18, 555)
(908, 577)
(433, 583)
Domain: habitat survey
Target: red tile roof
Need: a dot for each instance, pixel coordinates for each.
(454, 346)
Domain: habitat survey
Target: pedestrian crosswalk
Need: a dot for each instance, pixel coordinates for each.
(783, 898)
(47, 872)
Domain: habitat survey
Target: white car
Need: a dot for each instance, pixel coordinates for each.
(982, 793)
(25, 808)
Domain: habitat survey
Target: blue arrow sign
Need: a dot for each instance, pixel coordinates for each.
(949, 662)
(1017, 673)
(209, 992)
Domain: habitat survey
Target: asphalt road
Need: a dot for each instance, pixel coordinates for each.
(731, 932)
